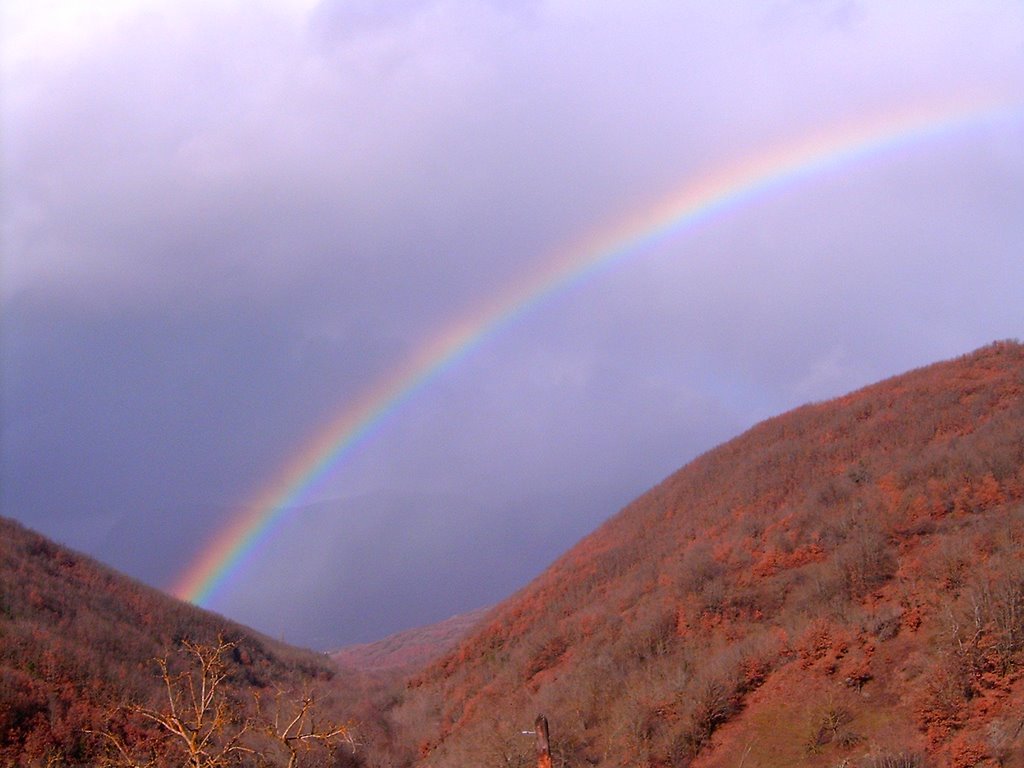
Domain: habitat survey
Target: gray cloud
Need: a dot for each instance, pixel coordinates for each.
(221, 227)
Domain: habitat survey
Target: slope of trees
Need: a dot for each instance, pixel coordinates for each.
(77, 648)
(841, 583)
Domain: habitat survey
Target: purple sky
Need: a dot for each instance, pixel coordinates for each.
(222, 221)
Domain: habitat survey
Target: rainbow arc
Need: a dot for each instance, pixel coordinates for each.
(697, 201)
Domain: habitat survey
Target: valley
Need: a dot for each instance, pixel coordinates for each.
(842, 584)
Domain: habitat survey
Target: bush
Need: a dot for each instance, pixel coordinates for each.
(895, 760)
(865, 562)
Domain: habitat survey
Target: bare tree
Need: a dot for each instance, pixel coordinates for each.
(203, 727)
(197, 722)
(292, 726)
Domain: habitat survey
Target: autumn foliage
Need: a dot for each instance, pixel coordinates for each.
(841, 583)
(80, 651)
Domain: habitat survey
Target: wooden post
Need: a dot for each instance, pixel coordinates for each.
(540, 726)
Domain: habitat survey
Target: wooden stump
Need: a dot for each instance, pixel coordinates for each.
(540, 726)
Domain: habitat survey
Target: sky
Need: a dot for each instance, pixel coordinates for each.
(223, 222)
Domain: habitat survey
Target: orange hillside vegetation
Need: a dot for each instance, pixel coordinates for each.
(840, 585)
(77, 648)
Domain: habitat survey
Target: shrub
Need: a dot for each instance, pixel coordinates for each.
(895, 760)
(865, 562)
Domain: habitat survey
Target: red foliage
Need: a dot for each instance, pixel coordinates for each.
(805, 527)
(966, 754)
(77, 640)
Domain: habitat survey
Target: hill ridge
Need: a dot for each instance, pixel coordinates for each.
(409, 649)
(821, 527)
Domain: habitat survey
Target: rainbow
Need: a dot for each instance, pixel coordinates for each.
(697, 201)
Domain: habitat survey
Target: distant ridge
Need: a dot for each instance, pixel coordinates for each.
(840, 585)
(409, 649)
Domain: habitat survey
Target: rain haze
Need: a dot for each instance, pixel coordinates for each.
(224, 222)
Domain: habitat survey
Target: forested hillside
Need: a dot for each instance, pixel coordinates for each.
(840, 585)
(78, 644)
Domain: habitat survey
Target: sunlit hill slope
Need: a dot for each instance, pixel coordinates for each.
(840, 585)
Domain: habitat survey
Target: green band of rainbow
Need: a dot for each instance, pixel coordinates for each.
(697, 201)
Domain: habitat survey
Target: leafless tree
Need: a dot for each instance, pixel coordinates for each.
(203, 726)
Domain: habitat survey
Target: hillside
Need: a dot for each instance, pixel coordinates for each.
(409, 649)
(78, 641)
(840, 585)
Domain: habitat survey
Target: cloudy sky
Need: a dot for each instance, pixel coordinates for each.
(223, 221)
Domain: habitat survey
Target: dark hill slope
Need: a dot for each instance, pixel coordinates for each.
(77, 639)
(841, 583)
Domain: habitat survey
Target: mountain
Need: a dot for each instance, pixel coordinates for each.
(409, 649)
(78, 643)
(842, 585)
